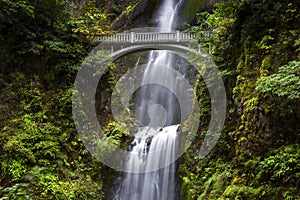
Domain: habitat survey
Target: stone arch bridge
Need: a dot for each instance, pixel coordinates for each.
(151, 40)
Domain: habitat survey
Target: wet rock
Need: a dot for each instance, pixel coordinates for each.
(141, 15)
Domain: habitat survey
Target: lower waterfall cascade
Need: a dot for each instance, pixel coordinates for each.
(156, 142)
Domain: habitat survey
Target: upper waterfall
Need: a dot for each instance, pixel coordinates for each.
(156, 106)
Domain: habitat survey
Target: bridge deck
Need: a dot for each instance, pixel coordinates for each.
(153, 37)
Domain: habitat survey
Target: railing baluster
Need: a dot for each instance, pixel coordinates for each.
(132, 37)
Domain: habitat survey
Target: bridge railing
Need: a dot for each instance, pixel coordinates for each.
(136, 37)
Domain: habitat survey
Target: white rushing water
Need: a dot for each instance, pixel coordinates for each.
(160, 65)
(156, 107)
(154, 185)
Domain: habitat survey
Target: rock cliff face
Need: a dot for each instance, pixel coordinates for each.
(141, 13)
(190, 8)
(131, 13)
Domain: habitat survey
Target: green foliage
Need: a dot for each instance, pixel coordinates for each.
(41, 157)
(42, 44)
(281, 166)
(284, 83)
(205, 180)
(50, 186)
(241, 192)
(219, 23)
(115, 136)
(16, 192)
(54, 33)
(250, 40)
(90, 20)
(23, 25)
(119, 134)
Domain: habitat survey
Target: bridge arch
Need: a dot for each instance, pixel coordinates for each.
(176, 48)
(86, 82)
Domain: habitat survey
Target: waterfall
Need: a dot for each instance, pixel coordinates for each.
(152, 185)
(160, 65)
(156, 107)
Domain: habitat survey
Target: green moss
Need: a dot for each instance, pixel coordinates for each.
(265, 66)
(241, 192)
(191, 7)
(118, 134)
(185, 191)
